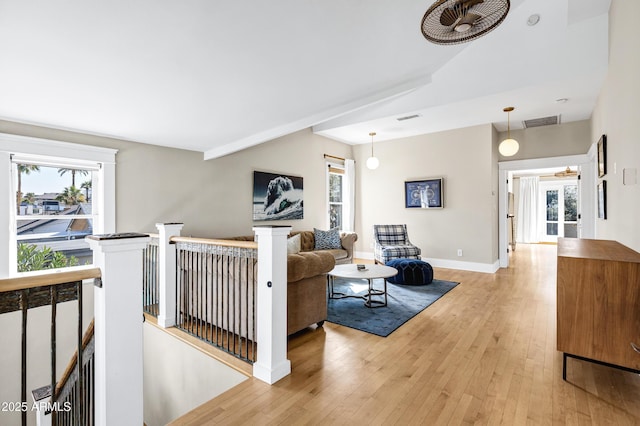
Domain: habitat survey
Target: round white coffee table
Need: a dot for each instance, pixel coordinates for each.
(369, 273)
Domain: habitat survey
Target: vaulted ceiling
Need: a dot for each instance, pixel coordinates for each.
(218, 77)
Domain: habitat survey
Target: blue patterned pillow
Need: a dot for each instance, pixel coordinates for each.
(326, 240)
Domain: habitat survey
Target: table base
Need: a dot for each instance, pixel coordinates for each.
(368, 298)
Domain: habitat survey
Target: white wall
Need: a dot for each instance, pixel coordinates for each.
(178, 377)
(298, 154)
(616, 115)
(465, 158)
(551, 141)
(212, 198)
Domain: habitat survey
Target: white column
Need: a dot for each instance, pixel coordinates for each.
(118, 329)
(271, 317)
(43, 418)
(167, 273)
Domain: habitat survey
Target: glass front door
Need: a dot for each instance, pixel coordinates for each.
(560, 215)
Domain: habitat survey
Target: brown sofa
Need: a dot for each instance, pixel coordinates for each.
(342, 255)
(307, 278)
(307, 289)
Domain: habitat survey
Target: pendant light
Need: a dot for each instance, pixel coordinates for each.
(508, 147)
(372, 162)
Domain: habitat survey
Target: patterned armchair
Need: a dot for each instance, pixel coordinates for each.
(392, 242)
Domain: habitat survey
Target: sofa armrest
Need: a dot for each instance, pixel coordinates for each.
(348, 240)
(308, 264)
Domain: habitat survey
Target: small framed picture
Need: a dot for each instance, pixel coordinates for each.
(602, 156)
(602, 200)
(423, 194)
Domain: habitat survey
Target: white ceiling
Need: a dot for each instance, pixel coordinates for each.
(218, 77)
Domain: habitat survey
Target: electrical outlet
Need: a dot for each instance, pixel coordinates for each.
(460, 252)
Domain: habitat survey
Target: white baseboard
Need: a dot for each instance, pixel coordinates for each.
(489, 268)
(363, 255)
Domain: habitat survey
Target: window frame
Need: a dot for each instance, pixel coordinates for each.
(50, 151)
(337, 169)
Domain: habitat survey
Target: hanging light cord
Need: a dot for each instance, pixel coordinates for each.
(372, 134)
(508, 111)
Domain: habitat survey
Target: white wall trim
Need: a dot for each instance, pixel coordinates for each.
(363, 255)
(489, 268)
(51, 148)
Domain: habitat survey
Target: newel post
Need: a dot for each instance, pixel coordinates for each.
(118, 328)
(271, 317)
(167, 273)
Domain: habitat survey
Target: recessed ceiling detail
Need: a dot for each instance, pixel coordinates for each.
(539, 122)
(408, 117)
(533, 20)
(460, 21)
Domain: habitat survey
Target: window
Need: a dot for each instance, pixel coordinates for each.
(54, 213)
(57, 194)
(571, 211)
(560, 216)
(335, 176)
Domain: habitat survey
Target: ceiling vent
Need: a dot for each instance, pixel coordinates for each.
(408, 117)
(539, 122)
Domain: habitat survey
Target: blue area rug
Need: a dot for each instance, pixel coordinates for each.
(403, 303)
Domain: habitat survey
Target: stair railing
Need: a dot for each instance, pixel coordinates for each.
(32, 291)
(150, 277)
(216, 293)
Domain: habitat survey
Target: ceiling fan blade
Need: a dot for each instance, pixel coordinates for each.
(448, 17)
(459, 13)
(469, 18)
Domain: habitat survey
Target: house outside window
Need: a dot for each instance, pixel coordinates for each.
(56, 194)
(54, 214)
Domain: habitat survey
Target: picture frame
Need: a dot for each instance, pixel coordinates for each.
(277, 196)
(602, 156)
(602, 200)
(424, 194)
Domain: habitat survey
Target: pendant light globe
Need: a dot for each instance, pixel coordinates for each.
(508, 147)
(372, 162)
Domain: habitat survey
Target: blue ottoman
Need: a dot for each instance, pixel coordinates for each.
(411, 272)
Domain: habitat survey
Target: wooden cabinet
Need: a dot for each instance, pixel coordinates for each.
(598, 303)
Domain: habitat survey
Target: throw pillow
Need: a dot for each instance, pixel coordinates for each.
(326, 240)
(293, 244)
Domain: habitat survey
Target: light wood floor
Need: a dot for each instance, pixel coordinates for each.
(483, 354)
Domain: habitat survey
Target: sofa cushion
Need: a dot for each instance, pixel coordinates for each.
(308, 264)
(338, 253)
(307, 240)
(293, 244)
(326, 240)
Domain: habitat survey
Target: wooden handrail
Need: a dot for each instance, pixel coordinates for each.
(46, 277)
(73, 362)
(216, 242)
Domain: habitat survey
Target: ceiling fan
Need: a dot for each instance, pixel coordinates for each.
(459, 21)
(566, 173)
